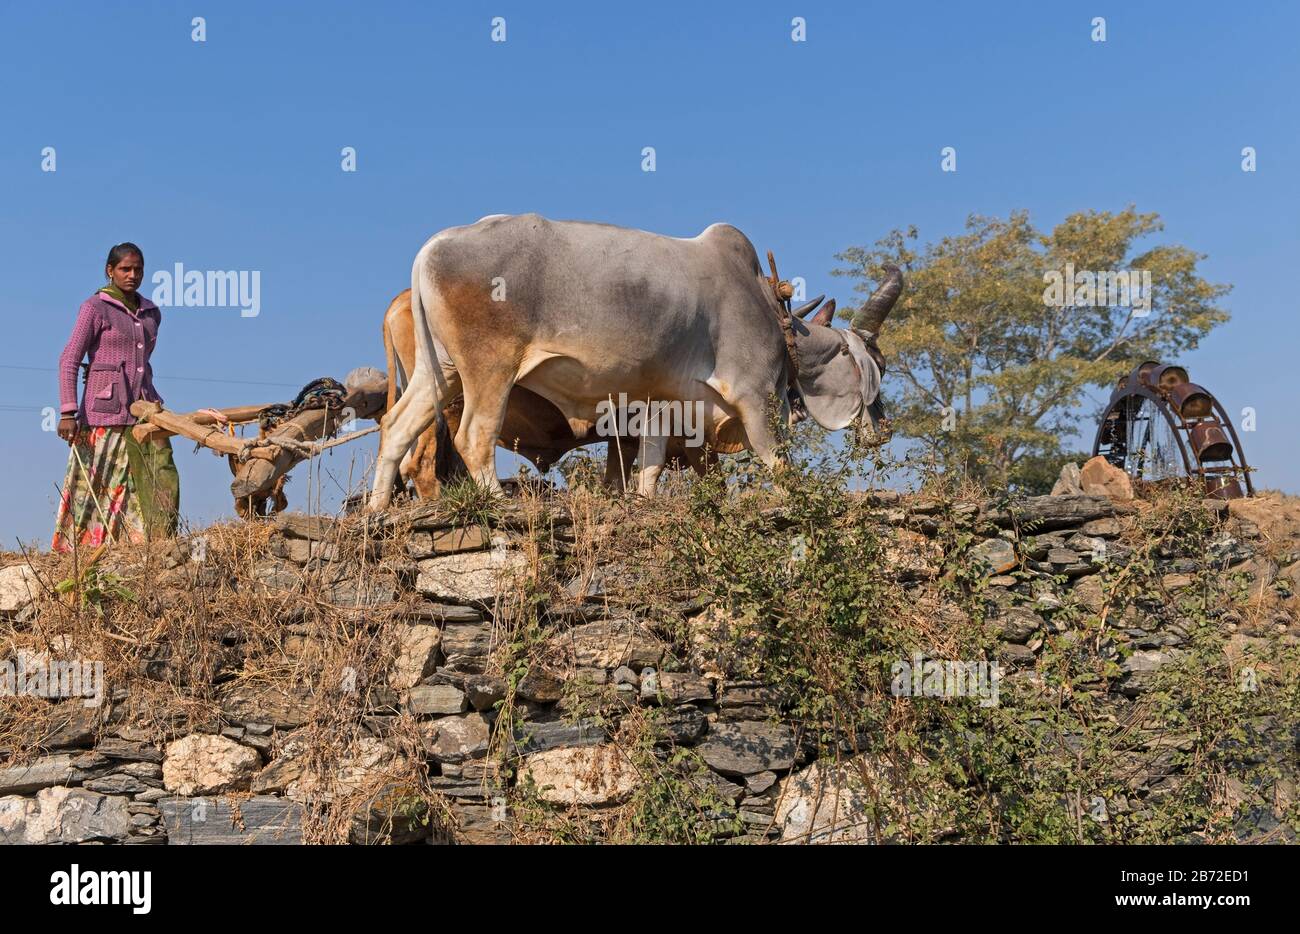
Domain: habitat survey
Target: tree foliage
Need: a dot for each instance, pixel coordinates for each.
(992, 373)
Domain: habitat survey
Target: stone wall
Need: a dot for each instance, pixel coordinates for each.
(343, 680)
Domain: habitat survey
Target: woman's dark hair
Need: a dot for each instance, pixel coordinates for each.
(122, 251)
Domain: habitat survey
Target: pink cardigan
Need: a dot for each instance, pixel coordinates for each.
(119, 344)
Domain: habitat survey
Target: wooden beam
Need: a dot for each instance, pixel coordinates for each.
(207, 435)
(235, 415)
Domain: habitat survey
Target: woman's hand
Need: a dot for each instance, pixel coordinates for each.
(68, 428)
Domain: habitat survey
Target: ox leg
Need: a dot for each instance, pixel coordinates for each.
(480, 427)
(620, 456)
(759, 435)
(401, 426)
(652, 454)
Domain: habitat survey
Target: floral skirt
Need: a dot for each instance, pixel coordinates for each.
(116, 490)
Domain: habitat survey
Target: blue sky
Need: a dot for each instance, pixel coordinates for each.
(226, 155)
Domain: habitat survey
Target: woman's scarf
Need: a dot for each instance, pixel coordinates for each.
(132, 301)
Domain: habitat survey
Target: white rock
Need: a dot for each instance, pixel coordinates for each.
(203, 764)
(590, 775)
(19, 588)
(829, 803)
(473, 577)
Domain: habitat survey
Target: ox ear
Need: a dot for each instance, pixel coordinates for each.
(825, 315)
(837, 389)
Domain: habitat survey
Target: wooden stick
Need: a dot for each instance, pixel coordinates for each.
(207, 435)
(235, 415)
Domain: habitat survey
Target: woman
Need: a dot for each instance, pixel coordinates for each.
(116, 489)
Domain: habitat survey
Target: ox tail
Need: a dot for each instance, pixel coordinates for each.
(396, 374)
(426, 356)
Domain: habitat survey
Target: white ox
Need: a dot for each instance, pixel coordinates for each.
(580, 313)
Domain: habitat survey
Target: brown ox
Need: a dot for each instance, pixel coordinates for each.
(533, 427)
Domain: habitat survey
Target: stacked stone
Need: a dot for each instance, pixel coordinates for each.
(245, 779)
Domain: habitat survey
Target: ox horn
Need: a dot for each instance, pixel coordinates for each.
(825, 316)
(803, 310)
(871, 316)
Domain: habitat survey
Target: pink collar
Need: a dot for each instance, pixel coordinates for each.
(145, 304)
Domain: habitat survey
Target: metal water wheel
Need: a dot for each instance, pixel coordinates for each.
(1159, 427)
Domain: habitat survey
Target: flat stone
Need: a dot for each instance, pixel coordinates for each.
(483, 691)
(462, 641)
(679, 725)
(479, 824)
(146, 771)
(746, 747)
(133, 750)
(301, 525)
(1110, 527)
(261, 820)
(297, 550)
(748, 694)
(277, 576)
(203, 764)
(416, 656)
(64, 815)
(586, 775)
(447, 542)
(445, 613)
(435, 699)
(609, 643)
(395, 815)
(457, 738)
(476, 577)
(535, 736)
(1090, 593)
(1020, 656)
(710, 783)
(1140, 670)
(254, 702)
(40, 773)
(675, 688)
(540, 685)
(117, 783)
(1017, 624)
(354, 593)
(758, 784)
(71, 725)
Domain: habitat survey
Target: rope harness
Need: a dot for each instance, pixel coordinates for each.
(323, 393)
(784, 292)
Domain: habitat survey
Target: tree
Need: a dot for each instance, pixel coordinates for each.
(1001, 331)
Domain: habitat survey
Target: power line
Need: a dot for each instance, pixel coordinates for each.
(192, 379)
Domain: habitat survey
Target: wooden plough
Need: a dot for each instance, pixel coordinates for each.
(287, 433)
